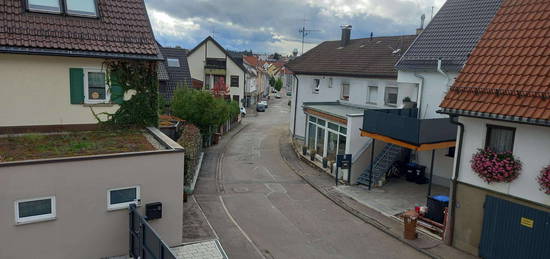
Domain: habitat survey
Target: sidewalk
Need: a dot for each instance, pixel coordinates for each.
(324, 183)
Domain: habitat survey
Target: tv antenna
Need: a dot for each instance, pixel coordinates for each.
(305, 32)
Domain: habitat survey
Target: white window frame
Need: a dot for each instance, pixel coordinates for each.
(386, 94)
(326, 129)
(37, 218)
(87, 100)
(316, 85)
(342, 96)
(123, 205)
(173, 59)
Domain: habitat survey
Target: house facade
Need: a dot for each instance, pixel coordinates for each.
(502, 105)
(433, 62)
(329, 99)
(67, 196)
(173, 72)
(210, 63)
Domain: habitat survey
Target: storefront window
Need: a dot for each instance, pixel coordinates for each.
(342, 145)
(332, 145)
(320, 141)
(311, 136)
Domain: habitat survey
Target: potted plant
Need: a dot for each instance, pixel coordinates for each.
(544, 180)
(312, 153)
(325, 162)
(494, 166)
(304, 150)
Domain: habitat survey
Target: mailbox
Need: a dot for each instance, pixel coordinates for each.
(153, 210)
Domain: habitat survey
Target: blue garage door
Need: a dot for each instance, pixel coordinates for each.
(511, 230)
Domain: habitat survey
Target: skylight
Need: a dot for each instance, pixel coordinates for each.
(49, 6)
(81, 7)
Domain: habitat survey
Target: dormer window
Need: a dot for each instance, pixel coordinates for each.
(81, 7)
(47, 6)
(173, 62)
(86, 8)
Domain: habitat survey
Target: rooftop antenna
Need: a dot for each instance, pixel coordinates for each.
(305, 32)
(213, 32)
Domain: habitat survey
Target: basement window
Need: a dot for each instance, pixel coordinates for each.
(34, 210)
(46, 6)
(121, 198)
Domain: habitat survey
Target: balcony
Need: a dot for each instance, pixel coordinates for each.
(404, 126)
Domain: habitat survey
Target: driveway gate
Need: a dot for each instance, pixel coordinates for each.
(145, 243)
(511, 230)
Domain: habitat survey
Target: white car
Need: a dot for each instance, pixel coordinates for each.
(264, 103)
(243, 111)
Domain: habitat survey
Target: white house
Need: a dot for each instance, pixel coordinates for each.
(210, 63)
(337, 82)
(503, 105)
(68, 194)
(434, 60)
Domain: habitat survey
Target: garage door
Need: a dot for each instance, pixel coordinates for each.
(511, 230)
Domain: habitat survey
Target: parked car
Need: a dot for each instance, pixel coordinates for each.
(273, 90)
(243, 111)
(264, 103)
(278, 96)
(260, 107)
(288, 93)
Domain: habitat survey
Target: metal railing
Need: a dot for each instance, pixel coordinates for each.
(145, 243)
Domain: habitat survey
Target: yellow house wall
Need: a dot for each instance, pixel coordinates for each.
(35, 90)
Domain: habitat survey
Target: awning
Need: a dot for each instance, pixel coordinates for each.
(421, 147)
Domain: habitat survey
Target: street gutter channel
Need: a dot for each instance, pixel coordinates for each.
(338, 201)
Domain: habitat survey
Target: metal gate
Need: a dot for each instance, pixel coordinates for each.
(511, 230)
(145, 243)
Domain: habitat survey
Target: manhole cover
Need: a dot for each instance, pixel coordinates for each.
(240, 189)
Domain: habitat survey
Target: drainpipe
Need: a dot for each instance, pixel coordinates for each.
(443, 72)
(420, 90)
(295, 106)
(449, 228)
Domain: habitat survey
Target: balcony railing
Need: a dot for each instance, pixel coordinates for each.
(215, 63)
(403, 125)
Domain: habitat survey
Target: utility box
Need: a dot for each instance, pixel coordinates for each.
(153, 210)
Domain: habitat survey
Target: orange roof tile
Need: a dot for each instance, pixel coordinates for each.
(508, 73)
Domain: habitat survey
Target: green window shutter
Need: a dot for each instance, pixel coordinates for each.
(117, 93)
(76, 76)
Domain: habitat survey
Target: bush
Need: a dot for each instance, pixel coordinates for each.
(191, 141)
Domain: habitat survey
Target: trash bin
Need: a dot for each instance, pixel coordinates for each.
(415, 172)
(436, 207)
(410, 217)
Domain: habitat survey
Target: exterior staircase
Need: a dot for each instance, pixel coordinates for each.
(382, 163)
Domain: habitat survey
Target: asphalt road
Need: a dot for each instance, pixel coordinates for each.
(259, 208)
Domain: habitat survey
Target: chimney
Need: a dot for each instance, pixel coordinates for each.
(419, 30)
(346, 35)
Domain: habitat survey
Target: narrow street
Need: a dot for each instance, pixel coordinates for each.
(259, 208)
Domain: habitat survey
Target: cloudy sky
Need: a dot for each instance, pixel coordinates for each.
(267, 26)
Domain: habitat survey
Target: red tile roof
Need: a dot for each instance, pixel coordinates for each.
(122, 28)
(508, 73)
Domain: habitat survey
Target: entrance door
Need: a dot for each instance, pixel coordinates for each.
(511, 230)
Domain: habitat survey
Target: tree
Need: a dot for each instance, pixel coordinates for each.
(278, 85)
(202, 109)
(276, 56)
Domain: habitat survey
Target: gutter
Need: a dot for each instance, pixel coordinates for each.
(420, 91)
(295, 106)
(443, 72)
(449, 228)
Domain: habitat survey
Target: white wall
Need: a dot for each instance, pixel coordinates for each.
(531, 147)
(443, 165)
(358, 94)
(83, 227)
(434, 89)
(35, 90)
(209, 49)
